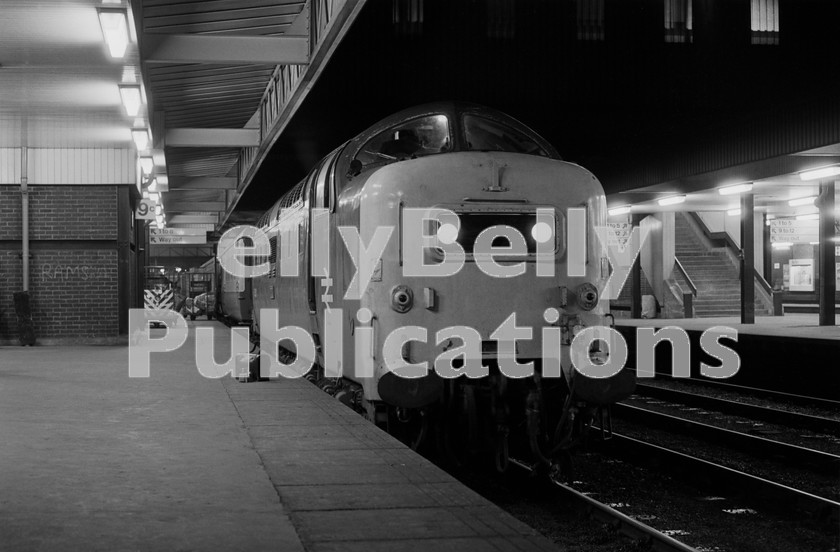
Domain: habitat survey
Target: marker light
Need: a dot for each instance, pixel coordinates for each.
(114, 25)
(131, 99)
(819, 173)
(736, 189)
(541, 232)
(733, 212)
(141, 138)
(802, 201)
(623, 210)
(673, 200)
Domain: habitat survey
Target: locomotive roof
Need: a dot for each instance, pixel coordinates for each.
(454, 110)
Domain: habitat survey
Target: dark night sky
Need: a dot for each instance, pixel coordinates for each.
(604, 105)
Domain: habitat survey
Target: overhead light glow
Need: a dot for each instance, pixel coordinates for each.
(820, 173)
(802, 201)
(623, 210)
(733, 212)
(673, 200)
(736, 189)
(131, 99)
(809, 216)
(147, 165)
(141, 138)
(114, 25)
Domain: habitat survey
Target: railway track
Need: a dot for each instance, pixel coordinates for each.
(724, 478)
(752, 411)
(792, 454)
(624, 524)
(780, 396)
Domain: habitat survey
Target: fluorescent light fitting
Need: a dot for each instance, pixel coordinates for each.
(114, 24)
(131, 98)
(733, 212)
(141, 138)
(147, 165)
(802, 201)
(782, 245)
(814, 243)
(809, 216)
(736, 189)
(673, 200)
(820, 173)
(623, 210)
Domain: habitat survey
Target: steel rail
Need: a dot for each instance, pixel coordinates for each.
(756, 489)
(756, 412)
(791, 398)
(625, 524)
(819, 460)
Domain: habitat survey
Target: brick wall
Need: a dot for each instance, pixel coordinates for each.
(73, 261)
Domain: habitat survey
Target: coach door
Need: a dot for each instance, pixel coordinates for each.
(320, 277)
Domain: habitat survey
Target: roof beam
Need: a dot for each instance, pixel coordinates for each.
(185, 206)
(205, 48)
(213, 137)
(190, 219)
(202, 182)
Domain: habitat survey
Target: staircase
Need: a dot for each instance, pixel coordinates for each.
(718, 282)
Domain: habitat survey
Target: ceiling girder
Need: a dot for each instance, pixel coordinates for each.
(212, 137)
(201, 48)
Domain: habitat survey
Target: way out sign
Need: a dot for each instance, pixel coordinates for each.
(145, 210)
(177, 236)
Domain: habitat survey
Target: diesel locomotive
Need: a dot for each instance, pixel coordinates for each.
(492, 188)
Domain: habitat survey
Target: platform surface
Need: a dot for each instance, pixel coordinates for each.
(804, 326)
(94, 460)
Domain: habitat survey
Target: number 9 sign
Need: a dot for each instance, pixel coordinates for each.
(145, 210)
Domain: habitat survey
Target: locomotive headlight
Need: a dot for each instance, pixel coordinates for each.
(402, 298)
(587, 296)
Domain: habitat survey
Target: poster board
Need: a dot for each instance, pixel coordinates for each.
(802, 274)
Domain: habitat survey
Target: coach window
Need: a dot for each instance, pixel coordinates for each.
(415, 138)
(484, 134)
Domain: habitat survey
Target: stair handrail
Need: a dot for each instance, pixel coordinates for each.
(688, 279)
(775, 296)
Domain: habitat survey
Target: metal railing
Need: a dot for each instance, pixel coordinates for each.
(685, 275)
(286, 78)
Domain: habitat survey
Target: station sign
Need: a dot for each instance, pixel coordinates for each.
(177, 240)
(619, 233)
(159, 232)
(145, 210)
(793, 231)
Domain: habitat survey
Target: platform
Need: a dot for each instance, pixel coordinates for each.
(93, 460)
(805, 326)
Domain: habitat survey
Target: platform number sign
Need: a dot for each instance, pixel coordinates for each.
(145, 210)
